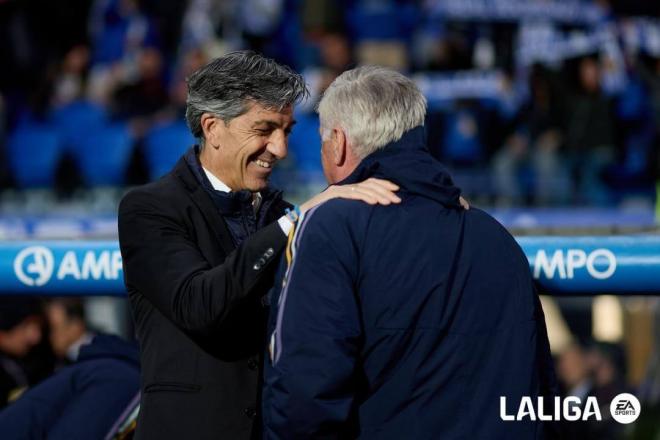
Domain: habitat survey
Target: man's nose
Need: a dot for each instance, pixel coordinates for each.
(278, 144)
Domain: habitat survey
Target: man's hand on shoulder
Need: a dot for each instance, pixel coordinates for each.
(372, 191)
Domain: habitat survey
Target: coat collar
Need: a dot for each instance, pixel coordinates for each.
(203, 201)
(408, 163)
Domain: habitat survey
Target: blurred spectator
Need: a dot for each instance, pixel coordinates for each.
(4, 169)
(259, 21)
(573, 372)
(68, 330)
(81, 401)
(589, 132)
(575, 377)
(530, 160)
(647, 426)
(649, 70)
(449, 52)
(118, 32)
(190, 61)
(508, 166)
(166, 18)
(200, 21)
(336, 56)
(27, 43)
(596, 371)
(70, 80)
(140, 100)
(321, 16)
(608, 365)
(20, 331)
(462, 141)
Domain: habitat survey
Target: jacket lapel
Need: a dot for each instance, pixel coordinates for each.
(205, 205)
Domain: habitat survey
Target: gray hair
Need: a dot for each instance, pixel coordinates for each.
(228, 85)
(374, 105)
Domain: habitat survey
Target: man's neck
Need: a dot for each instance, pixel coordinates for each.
(216, 183)
(204, 158)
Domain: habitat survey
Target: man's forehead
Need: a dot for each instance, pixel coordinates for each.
(261, 114)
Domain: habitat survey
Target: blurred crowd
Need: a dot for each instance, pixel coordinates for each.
(599, 370)
(59, 378)
(540, 103)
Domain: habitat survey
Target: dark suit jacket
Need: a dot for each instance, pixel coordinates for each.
(197, 306)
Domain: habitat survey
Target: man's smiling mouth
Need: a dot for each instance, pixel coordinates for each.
(263, 163)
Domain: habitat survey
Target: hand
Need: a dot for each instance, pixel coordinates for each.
(372, 191)
(464, 203)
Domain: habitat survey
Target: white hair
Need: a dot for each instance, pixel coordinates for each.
(373, 105)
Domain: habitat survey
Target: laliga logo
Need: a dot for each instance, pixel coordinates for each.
(39, 268)
(600, 263)
(570, 409)
(35, 265)
(625, 408)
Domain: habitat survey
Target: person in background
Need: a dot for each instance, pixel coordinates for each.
(68, 331)
(589, 132)
(336, 56)
(574, 373)
(142, 100)
(608, 366)
(81, 401)
(20, 332)
(585, 371)
(534, 149)
(189, 61)
(70, 79)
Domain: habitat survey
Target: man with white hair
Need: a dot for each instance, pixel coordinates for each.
(401, 322)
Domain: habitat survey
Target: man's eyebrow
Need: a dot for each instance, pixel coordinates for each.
(273, 124)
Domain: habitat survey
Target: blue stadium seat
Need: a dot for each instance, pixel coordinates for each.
(75, 121)
(164, 145)
(305, 144)
(33, 154)
(104, 155)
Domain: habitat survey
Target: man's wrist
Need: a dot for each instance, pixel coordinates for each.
(289, 219)
(285, 224)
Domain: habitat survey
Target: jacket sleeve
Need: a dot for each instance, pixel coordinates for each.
(310, 380)
(165, 265)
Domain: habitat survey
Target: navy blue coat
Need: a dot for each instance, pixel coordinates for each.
(82, 400)
(406, 321)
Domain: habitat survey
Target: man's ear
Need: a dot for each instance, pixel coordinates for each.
(339, 147)
(210, 127)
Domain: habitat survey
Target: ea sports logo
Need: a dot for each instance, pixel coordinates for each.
(34, 265)
(625, 408)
